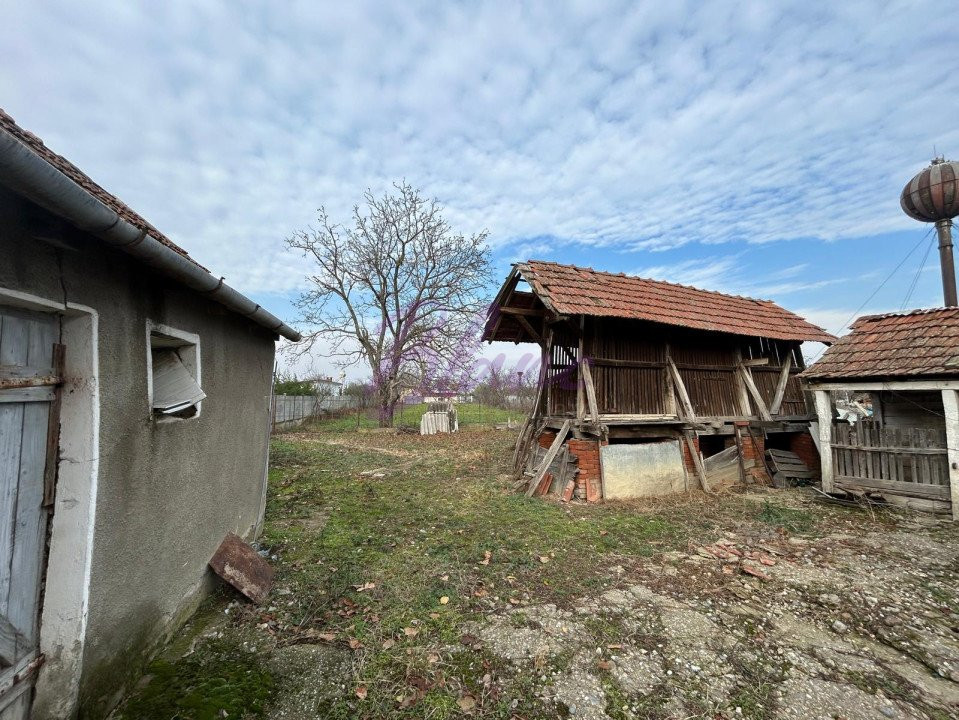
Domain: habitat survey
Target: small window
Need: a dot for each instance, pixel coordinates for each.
(175, 390)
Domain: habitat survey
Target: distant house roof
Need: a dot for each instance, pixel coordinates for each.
(571, 290)
(920, 343)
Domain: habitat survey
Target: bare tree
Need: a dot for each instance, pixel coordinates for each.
(399, 289)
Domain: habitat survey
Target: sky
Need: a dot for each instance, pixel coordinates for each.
(752, 148)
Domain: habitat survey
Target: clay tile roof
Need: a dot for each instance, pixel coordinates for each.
(66, 167)
(919, 343)
(571, 290)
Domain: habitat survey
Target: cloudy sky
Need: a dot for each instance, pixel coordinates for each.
(751, 148)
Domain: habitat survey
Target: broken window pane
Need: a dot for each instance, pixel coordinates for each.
(174, 387)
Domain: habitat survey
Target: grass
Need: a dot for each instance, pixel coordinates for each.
(387, 544)
(409, 416)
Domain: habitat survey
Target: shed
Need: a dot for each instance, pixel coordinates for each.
(905, 366)
(650, 387)
(134, 433)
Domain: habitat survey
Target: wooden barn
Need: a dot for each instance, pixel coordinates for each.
(649, 387)
(905, 368)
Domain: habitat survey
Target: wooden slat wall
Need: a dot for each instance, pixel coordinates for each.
(904, 461)
(627, 390)
(562, 373)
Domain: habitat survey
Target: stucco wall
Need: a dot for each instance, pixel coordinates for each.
(167, 492)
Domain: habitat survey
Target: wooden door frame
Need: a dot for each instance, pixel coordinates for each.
(65, 603)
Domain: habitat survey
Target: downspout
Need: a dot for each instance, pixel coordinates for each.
(29, 174)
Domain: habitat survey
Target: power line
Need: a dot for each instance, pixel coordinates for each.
(876, 291)
(915, 279)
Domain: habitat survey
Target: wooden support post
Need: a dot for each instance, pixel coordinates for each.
(680, 386)
(580, 384)
(697, 460)
(550, 455)
(824, 411)
(590, 390)
(53, 429)
(781, 386)
(950, 405)
(754, 392)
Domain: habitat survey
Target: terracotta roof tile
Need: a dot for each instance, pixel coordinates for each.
(897, 345)
(7, 124)
(571, 290)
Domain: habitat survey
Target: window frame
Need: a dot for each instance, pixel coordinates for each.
(192, 362)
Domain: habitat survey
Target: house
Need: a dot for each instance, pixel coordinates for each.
(652, 387)
(134, 420)
(327, 387)
(908, 449)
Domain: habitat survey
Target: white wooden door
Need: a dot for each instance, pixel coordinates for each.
(26, 397)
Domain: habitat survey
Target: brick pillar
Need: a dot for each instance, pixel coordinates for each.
(589, 478)
(754, 448)
(688, 460)
(805, 447)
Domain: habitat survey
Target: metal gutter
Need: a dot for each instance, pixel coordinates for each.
(25, 172)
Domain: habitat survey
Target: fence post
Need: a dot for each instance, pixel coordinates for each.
(824, 411)
(950, 406)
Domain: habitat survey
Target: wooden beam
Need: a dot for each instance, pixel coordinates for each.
(53, 430)
(883, 385)
(824, 410)
(697, 459)
(590, 390)
(580, 384)
(687, 405)
(756, 362)
(950, 406)
(777, 402)
(540, 471)
(754, 393)
(529, 328)
(520, 312)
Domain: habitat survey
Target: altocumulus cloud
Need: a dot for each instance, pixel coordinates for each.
(638, 125)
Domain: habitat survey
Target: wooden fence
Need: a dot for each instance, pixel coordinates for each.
(899, 461)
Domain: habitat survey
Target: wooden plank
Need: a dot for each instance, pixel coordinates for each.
(30, 525)
(899, 488)
(697, 460)
(9, 640)
(30, 394)
(776, 404)
(52, 455)
(522, 312)
(550, 454)
(688, 411)
(11, 424)
(754, 393)
(590, 390)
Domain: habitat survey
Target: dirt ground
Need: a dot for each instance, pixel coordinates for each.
(412, 584)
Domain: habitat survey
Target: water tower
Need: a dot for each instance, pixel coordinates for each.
(933, 196)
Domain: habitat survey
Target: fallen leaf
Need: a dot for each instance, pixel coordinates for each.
(432, 658)
(361, 692)
(544, 559)
(364, 587)
(604, 665)
(466, 703)
(614, 646)
(480, 593)
(603, 533)
(444, 600)
(433, 616)
(486, 556)
(355, 644)
(410, 632)
(388, 643)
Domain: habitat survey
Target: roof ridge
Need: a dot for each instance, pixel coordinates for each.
(905, 313)
(655, 280)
